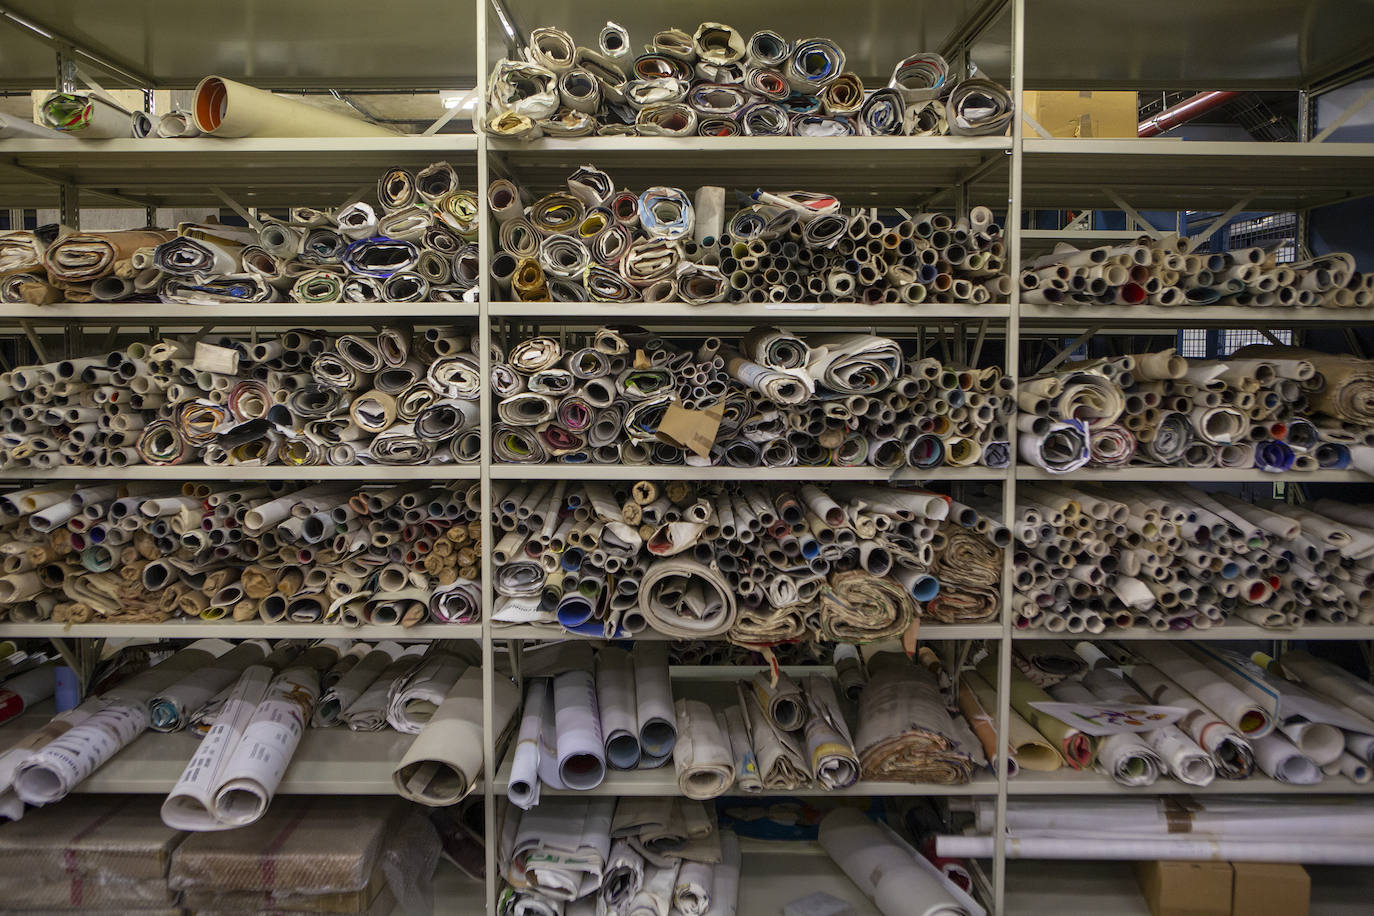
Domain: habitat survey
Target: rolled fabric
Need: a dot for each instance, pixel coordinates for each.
(443, 764)
(702, 755)
(81, 257)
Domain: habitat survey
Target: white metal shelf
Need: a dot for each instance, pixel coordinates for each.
(663, 781)
(685, 472)
(1163, 174)
(1065, 781)
(1119, 318)
(930, 631)
(861, 171)
(1195, 475)
(848, 312)
(1227, 631)
(258, 313)
(329, 761)
(278, 172)
(248, 629)
(361, 473)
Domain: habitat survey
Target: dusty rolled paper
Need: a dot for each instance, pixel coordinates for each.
(445, 761)
(899, 881)
(705, 764)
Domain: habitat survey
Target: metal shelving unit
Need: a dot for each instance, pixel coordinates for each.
(328, 44)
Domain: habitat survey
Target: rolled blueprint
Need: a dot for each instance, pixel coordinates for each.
(415, 698)
(898, 880)
(523, 786)
(615, 695)
(654, 703)
(225, 108)
(169, 710)
(49, 773)
(364, 674)
(581, 750)
(443, 764)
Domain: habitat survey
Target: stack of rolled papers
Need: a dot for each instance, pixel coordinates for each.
(784, 735)
(1267, 407)
(622, 857)
(1179, 558)
(302, 398)
(577, 723)
(717, 81)
(1315, 831)
(323, 553)
(594, 242)
(758, 564)
(1296, 721)
(1164, 271)
(899, 880)
(419, 243)
(830, 400)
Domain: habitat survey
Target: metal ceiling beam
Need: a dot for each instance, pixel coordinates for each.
(62, 43)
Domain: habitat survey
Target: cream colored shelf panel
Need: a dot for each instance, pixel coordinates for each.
(715, 312)
(861, 171)
(663, 781)
(1118, 318)
(329, 761)
(277, 172)
(360, 473)
(1229, 631)
(684, 472)
(1166, 174)
(286, 314)
(193, 629)
(930, 632)
(1072, 782)
(1194, 475)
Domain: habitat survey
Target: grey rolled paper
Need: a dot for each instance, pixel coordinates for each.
(825, 400)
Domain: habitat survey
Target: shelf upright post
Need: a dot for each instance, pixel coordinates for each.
(484, 243)
(1013, 368)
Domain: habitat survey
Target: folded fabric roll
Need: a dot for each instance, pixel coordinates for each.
(905, 732)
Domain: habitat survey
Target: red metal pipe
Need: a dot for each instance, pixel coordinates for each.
(1183, 112)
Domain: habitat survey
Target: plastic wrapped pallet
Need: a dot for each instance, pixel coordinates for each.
(96, 836)
(320, 845)
(22, 893)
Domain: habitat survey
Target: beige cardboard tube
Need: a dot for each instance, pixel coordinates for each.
(224, 108)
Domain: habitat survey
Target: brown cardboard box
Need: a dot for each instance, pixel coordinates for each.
(94, 838)
(1268, 889)
(1186, 888)
(1084, 114)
